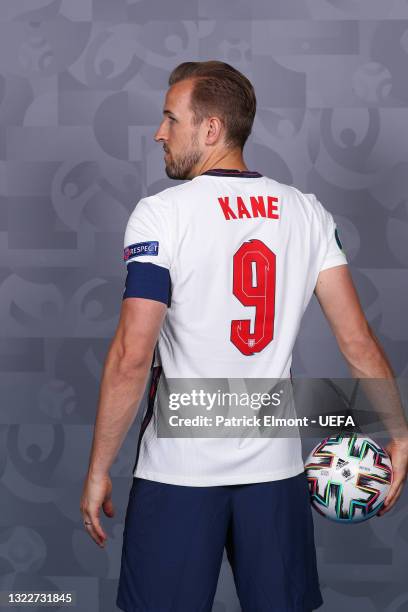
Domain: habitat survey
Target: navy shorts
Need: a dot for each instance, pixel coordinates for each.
(174, 538)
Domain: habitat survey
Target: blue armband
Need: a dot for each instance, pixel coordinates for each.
(148, 280)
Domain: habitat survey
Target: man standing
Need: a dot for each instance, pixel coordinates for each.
(220, 270)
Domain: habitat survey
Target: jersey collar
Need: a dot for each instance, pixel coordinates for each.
(231, 172)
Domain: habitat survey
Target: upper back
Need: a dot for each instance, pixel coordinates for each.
(243, 253)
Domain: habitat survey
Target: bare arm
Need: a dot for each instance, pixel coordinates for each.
(122, 386)
(366, 359)
(365, 356)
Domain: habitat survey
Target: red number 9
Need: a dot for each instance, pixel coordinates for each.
(254, 277)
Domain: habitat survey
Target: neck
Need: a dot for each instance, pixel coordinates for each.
(227, 160)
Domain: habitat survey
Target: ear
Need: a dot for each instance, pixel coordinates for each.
(214, 129)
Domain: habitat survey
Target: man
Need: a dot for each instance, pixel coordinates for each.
(219, 272)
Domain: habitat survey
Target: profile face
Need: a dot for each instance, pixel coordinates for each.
(180, 137)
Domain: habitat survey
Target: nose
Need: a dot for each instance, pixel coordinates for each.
(160, 134)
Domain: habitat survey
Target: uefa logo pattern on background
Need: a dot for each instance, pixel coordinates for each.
(82, 87)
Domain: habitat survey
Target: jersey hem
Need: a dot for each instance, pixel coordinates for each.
(333, 263)
(211, 482)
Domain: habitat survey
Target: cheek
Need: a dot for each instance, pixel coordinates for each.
(177, 138)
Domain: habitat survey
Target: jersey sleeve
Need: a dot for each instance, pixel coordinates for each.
(331, 253)
(147, 251)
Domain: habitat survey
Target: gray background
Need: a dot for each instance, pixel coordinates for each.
(81, 90)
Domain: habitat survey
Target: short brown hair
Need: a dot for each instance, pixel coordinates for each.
(221, 90)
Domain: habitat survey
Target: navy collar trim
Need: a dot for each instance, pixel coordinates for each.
(231, 172)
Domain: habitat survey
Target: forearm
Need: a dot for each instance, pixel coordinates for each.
(368, 362)
(121, 391)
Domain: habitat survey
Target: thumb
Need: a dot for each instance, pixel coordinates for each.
(108, 508)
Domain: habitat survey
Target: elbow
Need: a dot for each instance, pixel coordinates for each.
(133, 363)
(357, 350)
(357, 341)
(361, 348)
(127, 360)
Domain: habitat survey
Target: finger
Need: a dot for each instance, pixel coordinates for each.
(108, 507)
(391, 501)
(398, 481)
(91, 531)
(96, 527)
(390, 496)
(94, 535)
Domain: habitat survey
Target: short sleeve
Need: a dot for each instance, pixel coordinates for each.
(147, 235)
(147, 252)
(335, 255)
(331, 252)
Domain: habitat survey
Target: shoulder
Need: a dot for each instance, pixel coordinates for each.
(308, 202)
(307, 207)
(292, 193)
(162, 203)
(285, 190)
(173, 194)
(151, 206)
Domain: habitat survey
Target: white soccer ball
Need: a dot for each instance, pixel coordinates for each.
(349, 477)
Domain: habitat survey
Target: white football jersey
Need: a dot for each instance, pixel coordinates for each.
(235, 255)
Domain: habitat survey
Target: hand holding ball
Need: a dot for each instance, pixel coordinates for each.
(349, 477)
